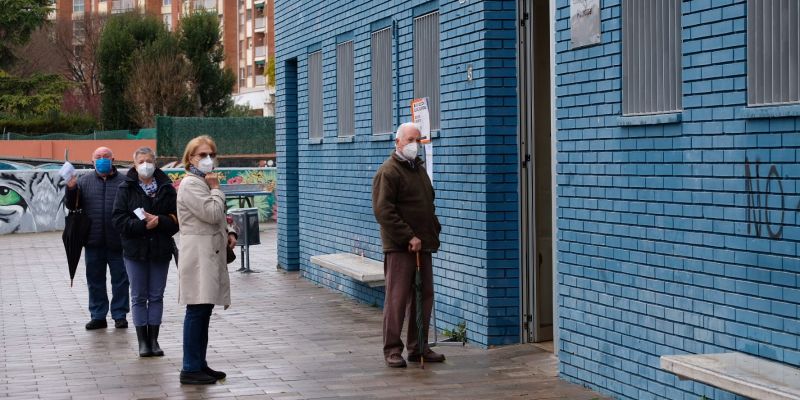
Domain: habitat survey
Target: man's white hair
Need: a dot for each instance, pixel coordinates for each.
(402, 128)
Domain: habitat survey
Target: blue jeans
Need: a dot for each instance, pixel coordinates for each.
(148, 280)
(195, 336)
(96, 260)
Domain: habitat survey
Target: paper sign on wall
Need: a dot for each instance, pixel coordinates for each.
(421, 117)
(584, 22)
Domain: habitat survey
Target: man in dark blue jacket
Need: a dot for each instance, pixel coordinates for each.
(95, 194)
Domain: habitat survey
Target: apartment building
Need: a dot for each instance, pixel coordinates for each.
(247, 36)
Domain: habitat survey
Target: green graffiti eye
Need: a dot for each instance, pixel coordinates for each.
(9, 197)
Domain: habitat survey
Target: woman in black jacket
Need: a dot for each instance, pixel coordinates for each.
(146, 217)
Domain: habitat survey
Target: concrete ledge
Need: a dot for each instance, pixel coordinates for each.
(359, 268)
(738, 373)
(650, 119)
(773, 111)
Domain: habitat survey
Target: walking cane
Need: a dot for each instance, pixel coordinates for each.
(421, 338)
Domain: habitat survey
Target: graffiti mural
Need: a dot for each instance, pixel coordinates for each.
(31, 201)
(262, 180)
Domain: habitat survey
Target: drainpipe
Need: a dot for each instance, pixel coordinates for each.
(396, 31)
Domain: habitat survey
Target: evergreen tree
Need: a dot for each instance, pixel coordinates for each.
(18, 19)
(199, 40)
(122, 36)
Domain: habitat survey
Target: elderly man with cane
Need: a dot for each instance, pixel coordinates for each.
(402, 201)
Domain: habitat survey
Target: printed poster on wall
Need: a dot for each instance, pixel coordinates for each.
(584, 22)
(421, 117)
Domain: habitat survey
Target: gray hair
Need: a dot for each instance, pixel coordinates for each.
(144, 150)
(402, 128)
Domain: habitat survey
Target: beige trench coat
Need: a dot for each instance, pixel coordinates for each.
(202, 269)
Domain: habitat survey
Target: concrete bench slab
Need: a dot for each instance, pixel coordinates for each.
(362, 269)
(738, 373)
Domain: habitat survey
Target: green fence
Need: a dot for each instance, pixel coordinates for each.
(234, 136)
(145, 133)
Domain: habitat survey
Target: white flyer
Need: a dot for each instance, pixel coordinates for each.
(67, 171)
(421, 117)
(139, 213)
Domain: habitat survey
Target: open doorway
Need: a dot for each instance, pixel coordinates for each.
(536, 171)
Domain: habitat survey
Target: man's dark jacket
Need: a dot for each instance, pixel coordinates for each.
(97, 201)
(402, 200)
(138, 242)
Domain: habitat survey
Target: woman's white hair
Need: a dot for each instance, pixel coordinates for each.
(144, 150)
(402, 128)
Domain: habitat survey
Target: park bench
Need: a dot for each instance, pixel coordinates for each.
(738, 373)
(360, 268)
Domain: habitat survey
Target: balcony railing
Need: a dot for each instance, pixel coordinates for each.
(261, 80)
(260, 22)
(261, 51)
(123, 6)
(205, 5)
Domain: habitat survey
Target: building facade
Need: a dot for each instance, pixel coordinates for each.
(616, 176)
(248, 36)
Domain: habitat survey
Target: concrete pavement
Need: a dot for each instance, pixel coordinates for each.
(283, 338)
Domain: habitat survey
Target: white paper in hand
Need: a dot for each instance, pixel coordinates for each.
(67, 171)
(139, 213)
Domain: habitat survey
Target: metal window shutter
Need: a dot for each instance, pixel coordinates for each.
(382, 81)
(651, 57)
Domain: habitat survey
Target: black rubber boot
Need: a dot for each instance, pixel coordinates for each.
(144, 342)
(152, 335)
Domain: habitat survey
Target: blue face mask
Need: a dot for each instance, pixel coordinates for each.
(102, 165)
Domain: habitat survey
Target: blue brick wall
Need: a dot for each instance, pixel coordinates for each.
(664, 245)
(476, 269)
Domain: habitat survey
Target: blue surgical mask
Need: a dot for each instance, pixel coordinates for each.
(102, 165)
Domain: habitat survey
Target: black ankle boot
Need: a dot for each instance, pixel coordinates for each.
(152, 334)
(144, 342)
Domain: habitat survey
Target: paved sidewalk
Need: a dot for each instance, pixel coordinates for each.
(283, 338)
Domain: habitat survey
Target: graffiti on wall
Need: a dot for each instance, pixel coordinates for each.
(766, 200)
(31, 201)
(264, 180)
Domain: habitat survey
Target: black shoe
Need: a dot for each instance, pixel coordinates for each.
(218, 375)
(144, 343)
(197, 378)
(96, 324)
(121, 323)
(152, 336)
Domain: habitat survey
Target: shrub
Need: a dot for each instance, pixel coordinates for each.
(69, 123)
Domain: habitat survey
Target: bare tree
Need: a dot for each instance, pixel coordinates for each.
(160, 85)
(36, 56)
(76, 46)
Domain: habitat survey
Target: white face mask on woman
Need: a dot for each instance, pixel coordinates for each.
(145, 170)
(206, 165)
(409, 151)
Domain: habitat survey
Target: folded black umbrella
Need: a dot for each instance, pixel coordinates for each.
(75, 236)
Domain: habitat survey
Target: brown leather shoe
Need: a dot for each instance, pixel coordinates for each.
(395, 361)
(430, 356)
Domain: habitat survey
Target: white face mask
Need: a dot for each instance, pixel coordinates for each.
(206, 165)
(146, 169)
(409, 151)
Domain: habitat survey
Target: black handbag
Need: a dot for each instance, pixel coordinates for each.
(230, 255)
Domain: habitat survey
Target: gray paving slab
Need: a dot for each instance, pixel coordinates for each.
(283, 338)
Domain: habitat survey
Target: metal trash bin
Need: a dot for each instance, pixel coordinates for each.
(246, 222)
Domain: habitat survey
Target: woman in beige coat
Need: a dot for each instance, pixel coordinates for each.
(202, 268)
